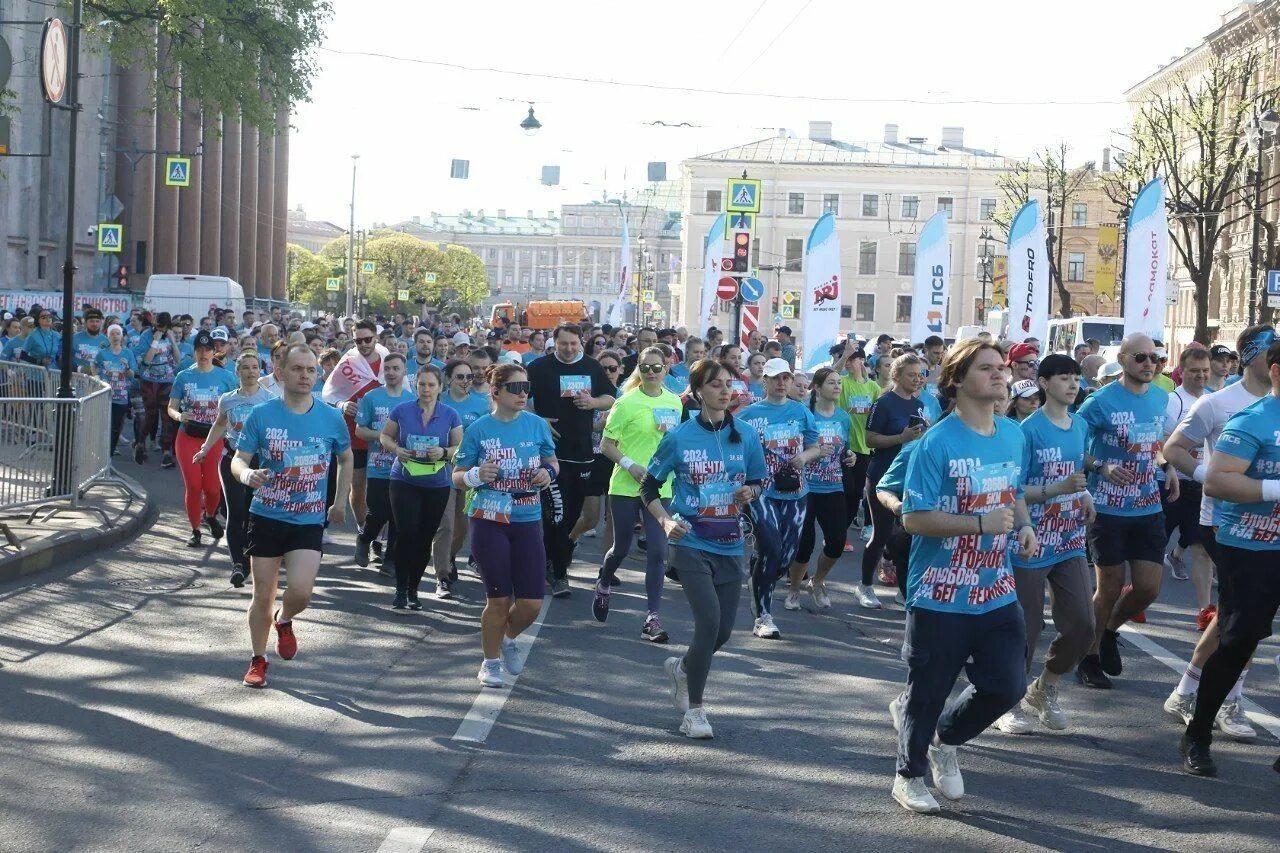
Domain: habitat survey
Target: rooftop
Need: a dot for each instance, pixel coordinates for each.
(820, 148)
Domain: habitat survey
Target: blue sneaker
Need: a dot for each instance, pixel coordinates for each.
(511, 656)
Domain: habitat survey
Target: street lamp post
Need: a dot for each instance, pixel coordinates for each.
(985, 262)
(1264, 124)
(640, 279)
(351, 237)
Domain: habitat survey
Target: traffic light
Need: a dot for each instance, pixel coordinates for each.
(741, 251)
(122, 277)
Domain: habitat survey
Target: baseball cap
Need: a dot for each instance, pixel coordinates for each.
(1056, 364)
(218, 334)
(461, 338)
(1017, 352)
(1025, 388)
(203, 339)
(776, 367)
(1220, 351)
(1112, 368)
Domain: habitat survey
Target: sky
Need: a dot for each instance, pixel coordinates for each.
(403, 84)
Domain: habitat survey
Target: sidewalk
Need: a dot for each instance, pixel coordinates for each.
(58, 534)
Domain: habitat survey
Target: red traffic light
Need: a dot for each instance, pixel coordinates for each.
(741, 251)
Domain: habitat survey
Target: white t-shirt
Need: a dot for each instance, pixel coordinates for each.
(1180, 403)
(1203, 424)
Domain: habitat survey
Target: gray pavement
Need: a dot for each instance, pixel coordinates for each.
(123, 726)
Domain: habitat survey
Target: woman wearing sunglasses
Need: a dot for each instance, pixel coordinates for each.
(644, 413)
(471, 405)
(43, 344)
(506, 459)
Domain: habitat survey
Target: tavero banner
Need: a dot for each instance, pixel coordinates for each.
(1028, 276)
(1146, 263)
(932, 280)
(712, 254)
(820, 313)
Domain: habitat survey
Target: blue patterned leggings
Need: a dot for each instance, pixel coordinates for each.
(777, 533)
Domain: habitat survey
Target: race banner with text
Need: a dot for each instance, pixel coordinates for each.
(1104, 276)
(820, 313)
(932, 280)
(1028, 276)
(1146, 263)
(712, 254)
(119, 304)
(618, 313)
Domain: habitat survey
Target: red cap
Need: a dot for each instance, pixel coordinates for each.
(1021, 351)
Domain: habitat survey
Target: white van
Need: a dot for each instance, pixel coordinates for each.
(193, 294)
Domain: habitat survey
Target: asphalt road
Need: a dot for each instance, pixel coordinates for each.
(123, 726)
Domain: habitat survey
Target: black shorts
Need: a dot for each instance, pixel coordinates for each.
(598, 481)
(1248, 595)
(1183, 514)
(360, 459)
(1209, 540)
(267, 537)
(1117, 539)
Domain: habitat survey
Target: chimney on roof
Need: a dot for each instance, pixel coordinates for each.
(502, 213)
(953, 137)
(820, 131)
(890, 134)
(480, 214)
(417, 220)
(1106, 159)
(530, 216)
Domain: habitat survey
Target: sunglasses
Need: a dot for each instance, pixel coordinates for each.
(611, 368)
(1144, 357)
(1029, 363)
(517, 388)
(465, 377)
(650, 368)
(364, 340)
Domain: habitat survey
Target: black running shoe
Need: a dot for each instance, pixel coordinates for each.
(1109, 653)
(414, 603)
(139, 452)
(166, 460)
(376, 547)
(400, 602)
(215, 527)
(560, 588)
(600, 604)
(362, 551)
(194, 541)
(1196, 759)
(237, 576)
(1089, 673)
(388, 568)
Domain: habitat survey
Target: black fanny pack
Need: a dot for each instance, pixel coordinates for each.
(786, 478)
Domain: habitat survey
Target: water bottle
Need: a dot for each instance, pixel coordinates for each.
(682, 521)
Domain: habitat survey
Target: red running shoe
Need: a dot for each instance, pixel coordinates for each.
(1139, 618)
(1206, 616)
(286, 642)
(888, 574)
(257, 674)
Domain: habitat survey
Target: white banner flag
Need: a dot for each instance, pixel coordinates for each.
(1146, 263)
(618, 313)
(822, 299)
(712, 254)
(932, 280)
(351, 377)
(1028, 276)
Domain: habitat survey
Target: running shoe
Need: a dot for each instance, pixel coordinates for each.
(376, 547)
(1196, 758)
(1043, 700)
(560, 588)
(765, 629)
(1139, 618)
(945, 764)
(866, 533)
(590, 534)
(888, 574)
(139, 452)
(1089, 673)
(642, 544)
(1015, 722)
(679, 684)
(194, 541)
(215, 527)
(326, 538)
(490, 674)
(848, 547)
(912, 795)
(1232, 722)
(257, 674)
(820, 598)
(286, 642)
(453, 571)
(1177, 568)
(600, 604)
(472, 565)
(166, 460)
(1205, 617)
(866, 597)
(400, 602)
(511, 656)
(388, 568)
(444, 590)
(793, 600)
(696, 725)
(653, 630)
(413, 603)
(1180, 706)
(1109, 653)
(237, 576)
(362, 551)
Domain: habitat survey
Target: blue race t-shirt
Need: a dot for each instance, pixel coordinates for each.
(826, 476)
(756, 389)
(14, 348)
(708, 469)
(296, 448)
(197, 392)
(1126, 429)
(518, 447)
(470, 408)
(372, 412)
(164, 364)
(235, 407)
(1253, 435)
(113, 369)
(894, 480)
(890, 414)
(786, 429)
(957, 470)
(1053, 454)
(84, 347)
(418, 436)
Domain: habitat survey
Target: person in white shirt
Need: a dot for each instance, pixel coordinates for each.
(1183, 515)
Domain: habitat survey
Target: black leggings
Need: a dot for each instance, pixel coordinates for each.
(882, 522)
(855, 483)
(417, 512)
(828, 511)
(237, 496)
(377, 498)
(118, 411)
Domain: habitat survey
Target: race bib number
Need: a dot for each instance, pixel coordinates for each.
(420, 444)
(988, 487)
(715, 500)
(492, 506)
(665, 419)
(860, 406)
(572, 386)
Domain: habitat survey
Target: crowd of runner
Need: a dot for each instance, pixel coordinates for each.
(977, 475)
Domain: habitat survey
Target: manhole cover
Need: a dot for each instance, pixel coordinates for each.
(156, 584)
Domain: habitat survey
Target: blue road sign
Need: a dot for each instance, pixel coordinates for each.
(752, 290)
(1273, 282)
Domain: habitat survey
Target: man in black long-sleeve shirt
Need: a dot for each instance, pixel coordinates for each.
(567, 390)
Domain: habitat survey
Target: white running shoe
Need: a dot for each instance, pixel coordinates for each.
(1044, 701)
(511, 656)
(765, 629)
(1015, 722)
(946, 771)
(590, 534)
(326, 538)
(895, 713)
(1182, 707)
(679, 684)
(490, 674)
(913, 796)
(696, 725)
(866, 597)
(1232, 722)
(820, 598)
(793, 600)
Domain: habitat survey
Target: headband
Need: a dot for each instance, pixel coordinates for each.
(1256, 347)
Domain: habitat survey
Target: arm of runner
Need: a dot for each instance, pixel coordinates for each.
(251, 477)
(890, 501)
(346, 461)
(1227, 480)
(549, 471)
(1026, 530)
(1177, 451)
(216, 432)
(609, 449)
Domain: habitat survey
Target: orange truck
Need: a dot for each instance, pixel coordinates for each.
(540, 315)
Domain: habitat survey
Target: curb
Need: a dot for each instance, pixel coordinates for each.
(73, 544)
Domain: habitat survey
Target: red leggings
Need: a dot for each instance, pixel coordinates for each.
(200, 479)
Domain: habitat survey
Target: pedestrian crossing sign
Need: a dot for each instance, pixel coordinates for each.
(430, 278)
(368, 267)
(177, 172)
(738, 222)
(110, 237)
(744, 196)
(333, 285)
(404, 294)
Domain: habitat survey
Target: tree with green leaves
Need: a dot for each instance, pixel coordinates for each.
(307, 274)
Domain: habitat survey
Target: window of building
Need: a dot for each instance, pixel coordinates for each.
(507, 280)
(795, 204)
(544, 256)
(867, 258)
(526, 255)
(1075, 266)
(491, 254)
(845, 312)
(524, 280)
(870, 205)
(713, 201)
(1079, 214)
(986, 209)
(906, 259)
(831, 203)
(946, 203)
(795, 254)
(588, 222)
(902, 311)
(569, 279)
(911, 207)
(570, 220)
(866, 305)
(510, 255)
(542, 279)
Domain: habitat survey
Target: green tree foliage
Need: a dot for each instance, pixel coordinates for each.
(307, 273)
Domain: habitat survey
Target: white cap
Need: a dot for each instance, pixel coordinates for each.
(1025, 388)
(1112, 368)
(510, 356)
(776, 367)
(307, 325)
(461, 338)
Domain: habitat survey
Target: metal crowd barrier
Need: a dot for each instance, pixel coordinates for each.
(53, 451)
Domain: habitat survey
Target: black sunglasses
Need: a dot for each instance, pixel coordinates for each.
(465, 376)
(1029, 363)
(1144, 357)
(611, 368)
(520, 387)
(650, 368)
(364, 340)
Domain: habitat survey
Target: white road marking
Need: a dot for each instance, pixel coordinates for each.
(1255, 712)
(478, 722)
(406, 839)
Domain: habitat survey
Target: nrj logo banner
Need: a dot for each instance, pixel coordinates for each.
(1146, 263)
(932, 280)
(1028, 276)
(820, 313)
